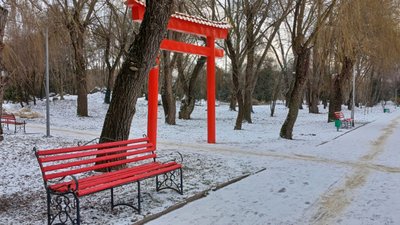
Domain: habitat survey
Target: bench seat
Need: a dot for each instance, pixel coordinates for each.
(100, 182)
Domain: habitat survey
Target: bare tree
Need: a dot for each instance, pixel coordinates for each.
(363, 36)
(255, 24)
(77, 16)
(281, 51)
(302, 38)
(188, 84)
(114, 31)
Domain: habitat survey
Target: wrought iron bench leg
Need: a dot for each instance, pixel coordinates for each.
(169, 181)
(60, 208)
(138, 208)
(139, 198)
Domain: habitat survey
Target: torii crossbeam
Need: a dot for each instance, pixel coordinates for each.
(184, 23)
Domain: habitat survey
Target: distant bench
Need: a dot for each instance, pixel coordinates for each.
(344, 122)
(137, 158)
(9, 118)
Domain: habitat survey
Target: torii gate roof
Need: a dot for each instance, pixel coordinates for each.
(184, 23)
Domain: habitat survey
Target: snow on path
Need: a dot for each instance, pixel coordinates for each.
(343, 186)
(335, 201)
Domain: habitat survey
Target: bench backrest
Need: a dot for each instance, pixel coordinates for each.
(62, 162)
(5, 117)
(339, 115)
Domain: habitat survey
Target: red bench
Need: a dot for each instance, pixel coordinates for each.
(345, 122)
(136, 156)
(9, 118)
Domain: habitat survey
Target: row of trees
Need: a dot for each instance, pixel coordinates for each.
(294, 50)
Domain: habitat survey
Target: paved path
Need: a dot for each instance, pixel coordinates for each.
(348, 181)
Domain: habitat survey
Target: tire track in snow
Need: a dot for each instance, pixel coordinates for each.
(63, 131)
(268, 154)
(333, 202)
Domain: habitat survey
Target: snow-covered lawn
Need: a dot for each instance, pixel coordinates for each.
(295, 173)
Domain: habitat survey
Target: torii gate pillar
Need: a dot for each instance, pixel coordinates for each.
(152, 104)
(211, 91)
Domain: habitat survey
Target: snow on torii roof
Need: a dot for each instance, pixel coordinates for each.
(199, 20)
(185, 23)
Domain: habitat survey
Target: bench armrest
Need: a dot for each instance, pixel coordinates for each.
(72, 187)
(81, 143)
(76, 184)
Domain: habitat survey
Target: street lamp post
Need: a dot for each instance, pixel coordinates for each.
(47, 85)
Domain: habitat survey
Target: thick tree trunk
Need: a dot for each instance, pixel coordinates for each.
(336, 96)
(167, 94)
(140, 59)
(3, 20)
(302, 63)
(188, 101)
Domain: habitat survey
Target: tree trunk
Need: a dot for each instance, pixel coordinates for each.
(312, 98)
(314, 82)
(77, 32)
(3, 20)
(167, 94)
(140, 59)
(110, 78)
(277, 88)
(250, 42)
(236, 82)
(232, 102)
(375, 89)
(336, 96)
(302, 63)
(188, 101)
(239, 96)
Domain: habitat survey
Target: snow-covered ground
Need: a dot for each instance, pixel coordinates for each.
(321, 177)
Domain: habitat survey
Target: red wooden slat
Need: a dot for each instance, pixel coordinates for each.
(108, 177)
(93, 160)
(181, 47)
(94, 152)
(88, 147)
(123, 175)
(59, 186)
(126, 180)
(96, 167)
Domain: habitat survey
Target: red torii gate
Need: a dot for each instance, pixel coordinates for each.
(184, 23)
